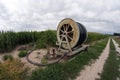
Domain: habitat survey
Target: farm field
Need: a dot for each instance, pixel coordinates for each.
(111, 70)
(59, 40)
(11, 58)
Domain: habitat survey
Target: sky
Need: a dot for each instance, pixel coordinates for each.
(38, 15)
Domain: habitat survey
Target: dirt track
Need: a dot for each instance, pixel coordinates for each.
(92, 72)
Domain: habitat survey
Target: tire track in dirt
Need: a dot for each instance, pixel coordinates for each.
(93, 71)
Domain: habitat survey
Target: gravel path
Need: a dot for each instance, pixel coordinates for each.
(92, 72)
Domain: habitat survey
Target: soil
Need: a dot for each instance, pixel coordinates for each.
(35, 56)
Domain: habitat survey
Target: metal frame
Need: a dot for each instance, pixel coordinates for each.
(70, 51)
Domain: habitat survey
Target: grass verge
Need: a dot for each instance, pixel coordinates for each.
(117, 40)
(70, 69)
(110, 70)
(13, 70)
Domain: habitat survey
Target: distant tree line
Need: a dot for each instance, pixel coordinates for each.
(116, 34)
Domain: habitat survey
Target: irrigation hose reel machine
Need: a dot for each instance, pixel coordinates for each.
(70, 37)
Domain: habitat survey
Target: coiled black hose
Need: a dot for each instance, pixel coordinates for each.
(40, 64)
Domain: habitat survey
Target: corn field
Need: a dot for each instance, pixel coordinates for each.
(9, 40)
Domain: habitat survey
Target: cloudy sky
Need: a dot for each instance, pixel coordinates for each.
(95, 15)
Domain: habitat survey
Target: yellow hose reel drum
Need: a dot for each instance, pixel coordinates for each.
(75, 32)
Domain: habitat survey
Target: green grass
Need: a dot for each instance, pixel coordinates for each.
(93, 36)
(110, 70)
(46, 39)
(22, 53)
(70, 69)
(9, 39)
(13, 70)
(7, 57)
(117, 40)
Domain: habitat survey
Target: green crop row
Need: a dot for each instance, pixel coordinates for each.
(69, 69)
(9, 40)
(111, 67)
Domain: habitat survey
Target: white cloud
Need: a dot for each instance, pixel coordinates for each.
(96, 15)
